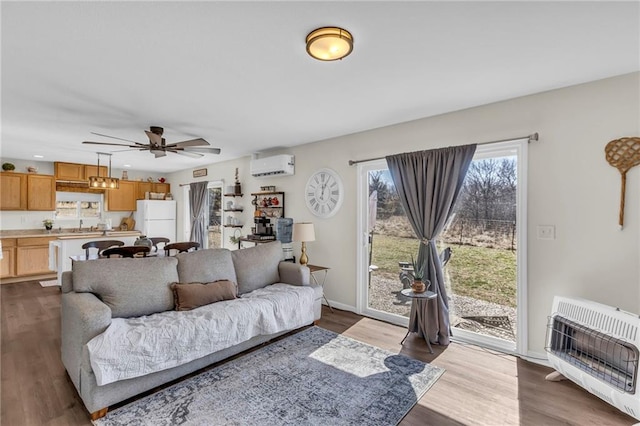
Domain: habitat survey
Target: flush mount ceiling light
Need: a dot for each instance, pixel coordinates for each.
(329, 43)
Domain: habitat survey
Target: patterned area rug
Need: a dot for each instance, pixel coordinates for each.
(314, 377)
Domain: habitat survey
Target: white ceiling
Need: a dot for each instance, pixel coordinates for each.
(237, 74)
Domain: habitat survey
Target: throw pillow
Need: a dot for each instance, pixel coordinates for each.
(193, 295)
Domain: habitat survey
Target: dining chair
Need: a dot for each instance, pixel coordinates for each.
(181, 247)
(126, 251)
(158, 240)
(100, 245)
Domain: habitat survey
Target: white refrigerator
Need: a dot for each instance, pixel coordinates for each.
(156, 218)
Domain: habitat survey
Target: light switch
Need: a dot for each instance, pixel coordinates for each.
(546, 232)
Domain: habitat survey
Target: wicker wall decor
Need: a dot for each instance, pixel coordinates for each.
(623, 154)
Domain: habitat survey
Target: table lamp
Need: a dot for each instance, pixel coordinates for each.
(303, 232)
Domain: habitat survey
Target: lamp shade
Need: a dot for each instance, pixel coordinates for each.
(303, 232)
(329, 43)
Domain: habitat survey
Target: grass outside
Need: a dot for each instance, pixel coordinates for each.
(487, 274)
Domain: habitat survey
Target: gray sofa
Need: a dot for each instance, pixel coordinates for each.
(96, 291)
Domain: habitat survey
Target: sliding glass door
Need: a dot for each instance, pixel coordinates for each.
(482, 249)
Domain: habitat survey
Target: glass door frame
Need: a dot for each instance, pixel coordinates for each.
(362, 273)
(517, 148)
(187, 210)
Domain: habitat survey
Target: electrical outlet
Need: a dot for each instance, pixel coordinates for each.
(546, 232)
(23, 219)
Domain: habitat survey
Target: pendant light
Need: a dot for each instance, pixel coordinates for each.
(104, 182)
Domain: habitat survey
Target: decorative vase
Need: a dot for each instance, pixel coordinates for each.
(48, 227)
(143, 241)
(418, 287)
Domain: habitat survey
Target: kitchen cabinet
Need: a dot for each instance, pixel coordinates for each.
(13, 191)
(68, 171)
(93, 171)
(75, 172)
(8, 261)
(20, 191)
(143, 187)
(41, 192)
(32, 256)
(123, 198)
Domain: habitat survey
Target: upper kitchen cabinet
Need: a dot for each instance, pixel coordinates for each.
(20, 191)
(144, 187)
(74, 172)
(123, 198)
(13, 191)
(41, 192)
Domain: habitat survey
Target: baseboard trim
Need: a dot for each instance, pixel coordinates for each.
(341, 306)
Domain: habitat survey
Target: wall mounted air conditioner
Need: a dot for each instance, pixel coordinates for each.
(278, 165)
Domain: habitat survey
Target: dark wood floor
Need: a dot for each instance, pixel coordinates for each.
(479, 387)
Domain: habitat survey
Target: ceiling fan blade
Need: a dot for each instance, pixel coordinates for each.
(192, 142)
(156, 139)
(113, 137)
(111, 144)
(204, 150)
(187, 153)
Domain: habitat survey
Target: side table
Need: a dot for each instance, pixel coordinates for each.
(417, 312)
(312, 270)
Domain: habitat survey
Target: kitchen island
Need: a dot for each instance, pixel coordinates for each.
(66, 246)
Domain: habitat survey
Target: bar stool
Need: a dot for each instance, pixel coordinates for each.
(181, 247)
(158, 240)
(101, 245)
(126, 251)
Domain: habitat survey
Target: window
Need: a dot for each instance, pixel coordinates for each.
(78, 205)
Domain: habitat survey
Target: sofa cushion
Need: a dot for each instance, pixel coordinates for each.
(257, 267)
(206, 266)
(130, 287)
(193, 295)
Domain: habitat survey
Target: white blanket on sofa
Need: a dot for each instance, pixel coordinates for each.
(133, 347)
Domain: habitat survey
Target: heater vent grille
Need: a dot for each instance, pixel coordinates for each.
(599, 320)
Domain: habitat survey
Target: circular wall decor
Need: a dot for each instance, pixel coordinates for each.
(324, 193)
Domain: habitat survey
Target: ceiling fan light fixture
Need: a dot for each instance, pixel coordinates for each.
(329, 43)
(104, 182)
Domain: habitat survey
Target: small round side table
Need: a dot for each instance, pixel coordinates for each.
(417, 313)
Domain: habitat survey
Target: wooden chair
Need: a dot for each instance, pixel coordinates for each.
(158, 240)
(126, 251)
(181, 247)
(100, 245)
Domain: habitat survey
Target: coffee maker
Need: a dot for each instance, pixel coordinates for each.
(263, 227)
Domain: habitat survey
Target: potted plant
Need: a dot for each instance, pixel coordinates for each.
(48, 224)
(8, 167)
(418, 274)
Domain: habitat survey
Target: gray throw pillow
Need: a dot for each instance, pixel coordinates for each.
(257, 267)
(130, 287)
(206, 266)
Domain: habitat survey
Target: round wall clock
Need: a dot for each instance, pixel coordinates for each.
(324, 193)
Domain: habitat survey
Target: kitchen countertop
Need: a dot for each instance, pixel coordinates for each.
(65, 234)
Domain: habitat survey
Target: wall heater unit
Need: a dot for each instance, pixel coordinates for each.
(597, 347)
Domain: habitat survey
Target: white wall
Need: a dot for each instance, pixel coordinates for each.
(571, 186)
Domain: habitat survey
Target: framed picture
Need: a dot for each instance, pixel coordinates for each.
(199, 173)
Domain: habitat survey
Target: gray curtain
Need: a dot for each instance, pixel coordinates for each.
(428, 184)
(198, 204)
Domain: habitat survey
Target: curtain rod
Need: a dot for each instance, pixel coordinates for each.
(530, 138)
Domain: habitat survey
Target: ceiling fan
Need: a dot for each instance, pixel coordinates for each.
(159, 147)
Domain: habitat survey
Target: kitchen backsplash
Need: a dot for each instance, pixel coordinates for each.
(11, 220)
